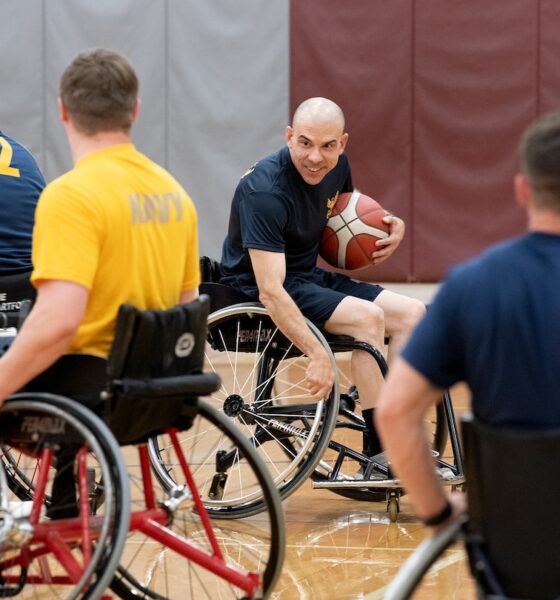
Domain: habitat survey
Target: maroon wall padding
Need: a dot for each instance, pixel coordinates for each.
(548, 73)
(436, 94)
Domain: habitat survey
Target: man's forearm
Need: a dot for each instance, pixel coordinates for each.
(400, 418)
(45, 335)
(32, 352)
(287, 316)
(411, 459)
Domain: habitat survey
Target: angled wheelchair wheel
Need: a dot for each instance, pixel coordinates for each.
(343, 459)
(263, 392)
(410, 575)
(68, 547)
(225, 471)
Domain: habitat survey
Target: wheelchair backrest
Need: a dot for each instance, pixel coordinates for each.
(16, 296)
(159, 343)
(155, 370)
(513, 490)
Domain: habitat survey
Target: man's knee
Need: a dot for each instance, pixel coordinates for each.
(410, 315)
(369, 323)
(360, 319)
(416, 312)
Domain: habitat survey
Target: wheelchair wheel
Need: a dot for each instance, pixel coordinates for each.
(62, 547)
(343, 458)
(226, 470)
(20, 472)
(263, 391)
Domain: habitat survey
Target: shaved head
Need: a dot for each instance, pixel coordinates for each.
(318, 110)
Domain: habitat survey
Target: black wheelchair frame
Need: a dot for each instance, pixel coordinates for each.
(297, 437)
(510, 533)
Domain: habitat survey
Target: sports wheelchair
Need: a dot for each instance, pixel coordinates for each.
(263, 390)
(115, 526)
(511, 531)
(16, 296)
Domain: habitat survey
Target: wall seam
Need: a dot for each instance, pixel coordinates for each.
(166, 85)
(44, 86)
(412, 276)
(538, 59)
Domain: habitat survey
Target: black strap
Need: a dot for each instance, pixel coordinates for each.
(439, 517)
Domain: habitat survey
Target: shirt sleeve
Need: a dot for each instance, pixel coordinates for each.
(191, 278)
(436, 347)
(66, 237)
(263, 218)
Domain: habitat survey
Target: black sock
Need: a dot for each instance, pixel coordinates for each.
(372, 444)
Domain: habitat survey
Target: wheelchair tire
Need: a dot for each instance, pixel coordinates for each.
(40, 424)
(263, 392)
(226, 470)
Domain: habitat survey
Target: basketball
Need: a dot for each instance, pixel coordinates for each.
(355, 224)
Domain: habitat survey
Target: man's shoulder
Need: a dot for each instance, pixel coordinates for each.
(266, 175)
(498, 256)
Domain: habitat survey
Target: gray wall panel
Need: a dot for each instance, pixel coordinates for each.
(21, 74)
(134, 27)
(213, 81)
(228, 98)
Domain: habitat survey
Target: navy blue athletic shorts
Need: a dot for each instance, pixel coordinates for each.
(316, 294)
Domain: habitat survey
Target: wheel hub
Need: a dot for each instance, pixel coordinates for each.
(233, 405)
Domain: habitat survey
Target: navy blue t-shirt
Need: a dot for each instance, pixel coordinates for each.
(21, 183)
(274, 209)
(495, 324)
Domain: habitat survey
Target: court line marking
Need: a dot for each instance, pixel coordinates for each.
(439, 565)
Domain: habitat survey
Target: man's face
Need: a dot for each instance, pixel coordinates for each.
(315, 147)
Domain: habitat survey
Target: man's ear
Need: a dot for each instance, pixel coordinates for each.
(523, 191)
(136, 109)
(62, 110)
(289, 134)
(343, 142)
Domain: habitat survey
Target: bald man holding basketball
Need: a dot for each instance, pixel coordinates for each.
(278, 213)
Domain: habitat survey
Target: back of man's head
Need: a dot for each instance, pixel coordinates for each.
(99, 90)
(540, 160)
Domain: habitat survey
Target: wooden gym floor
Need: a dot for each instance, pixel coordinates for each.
(337, 548)
(346, 549)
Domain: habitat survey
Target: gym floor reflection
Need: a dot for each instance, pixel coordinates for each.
(345, 549)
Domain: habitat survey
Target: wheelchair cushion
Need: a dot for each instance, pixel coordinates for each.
(155, 369)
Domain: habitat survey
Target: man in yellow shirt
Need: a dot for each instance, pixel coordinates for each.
(117, 228)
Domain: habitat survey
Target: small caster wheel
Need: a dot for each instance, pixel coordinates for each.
(393, 509)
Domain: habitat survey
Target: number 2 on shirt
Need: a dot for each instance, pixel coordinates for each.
(6, 153)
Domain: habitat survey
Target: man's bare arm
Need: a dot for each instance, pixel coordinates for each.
(188, 296)
(400, 419)
(45, 334)
(270, 272)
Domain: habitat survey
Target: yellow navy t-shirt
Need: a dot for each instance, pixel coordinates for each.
(124, 228)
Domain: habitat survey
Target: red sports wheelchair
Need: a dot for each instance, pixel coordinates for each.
(115, 527)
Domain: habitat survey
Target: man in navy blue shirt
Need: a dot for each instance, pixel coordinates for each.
(21, 183)
(278, 213)
(494, 324)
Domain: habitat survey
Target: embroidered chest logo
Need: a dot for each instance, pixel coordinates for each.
(330, 204)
